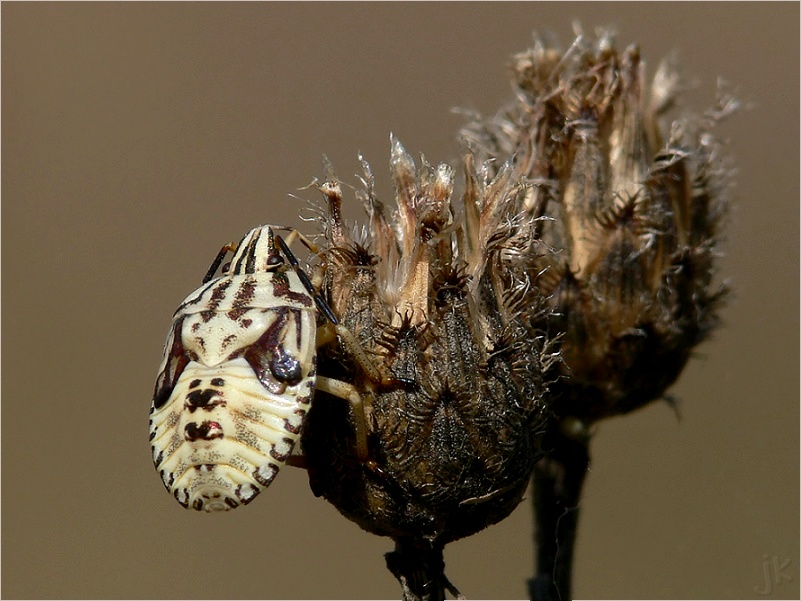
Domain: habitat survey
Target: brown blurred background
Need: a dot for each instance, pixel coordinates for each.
(139, 137)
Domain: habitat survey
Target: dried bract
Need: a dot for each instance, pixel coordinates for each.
(636, 206)
(438, 298)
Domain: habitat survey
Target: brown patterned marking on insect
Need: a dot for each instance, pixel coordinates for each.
(245, 293)
(207, 316)
(182, 492)
(237, 313)
(281, 289)
(172, 420)
(196, 382)
(228, 341)
(290, 427)
(248, 411)
(217, 382)
(167, 477)
(282, 457)
(218, 295)
(246, 493)
(201, 399)
(248, 438)
(265, 474)
(195, 327)
(177, 360)
(207, 430)
(243, 298)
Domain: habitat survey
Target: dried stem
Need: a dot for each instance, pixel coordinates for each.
(420, 569)
(558, 479)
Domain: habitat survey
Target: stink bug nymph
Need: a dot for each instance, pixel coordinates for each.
(237, 377)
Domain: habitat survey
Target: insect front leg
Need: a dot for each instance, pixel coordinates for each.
(322, 306)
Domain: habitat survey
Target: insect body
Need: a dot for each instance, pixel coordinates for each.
(236, 380)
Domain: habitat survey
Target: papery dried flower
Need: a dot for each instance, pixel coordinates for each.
(635, 210)
(439, 299)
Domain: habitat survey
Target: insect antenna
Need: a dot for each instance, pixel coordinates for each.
(217, 260)
(319, 300)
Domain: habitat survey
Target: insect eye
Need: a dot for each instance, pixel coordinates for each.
(226, 268)
(286, 368)
(273, 260)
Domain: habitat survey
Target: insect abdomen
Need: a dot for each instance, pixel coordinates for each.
(222, 436)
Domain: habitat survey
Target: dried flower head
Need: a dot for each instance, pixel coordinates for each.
(635, 210)
(440, 301)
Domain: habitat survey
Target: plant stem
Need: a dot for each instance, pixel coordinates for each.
(558, 479)
(420, 569)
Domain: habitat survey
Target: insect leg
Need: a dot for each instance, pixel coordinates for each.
(333, 331)
(330, 332)
(296, 235)
(346, 391)
(318, 300)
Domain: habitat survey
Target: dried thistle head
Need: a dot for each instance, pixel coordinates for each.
(636, 206)
(440, 301)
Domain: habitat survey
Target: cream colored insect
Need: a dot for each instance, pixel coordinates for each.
(238, 376)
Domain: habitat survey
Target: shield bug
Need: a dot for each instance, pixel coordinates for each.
(238, 375)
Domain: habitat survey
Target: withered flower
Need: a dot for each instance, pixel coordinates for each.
(635, 205)
(635, 211)
(441, 303)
